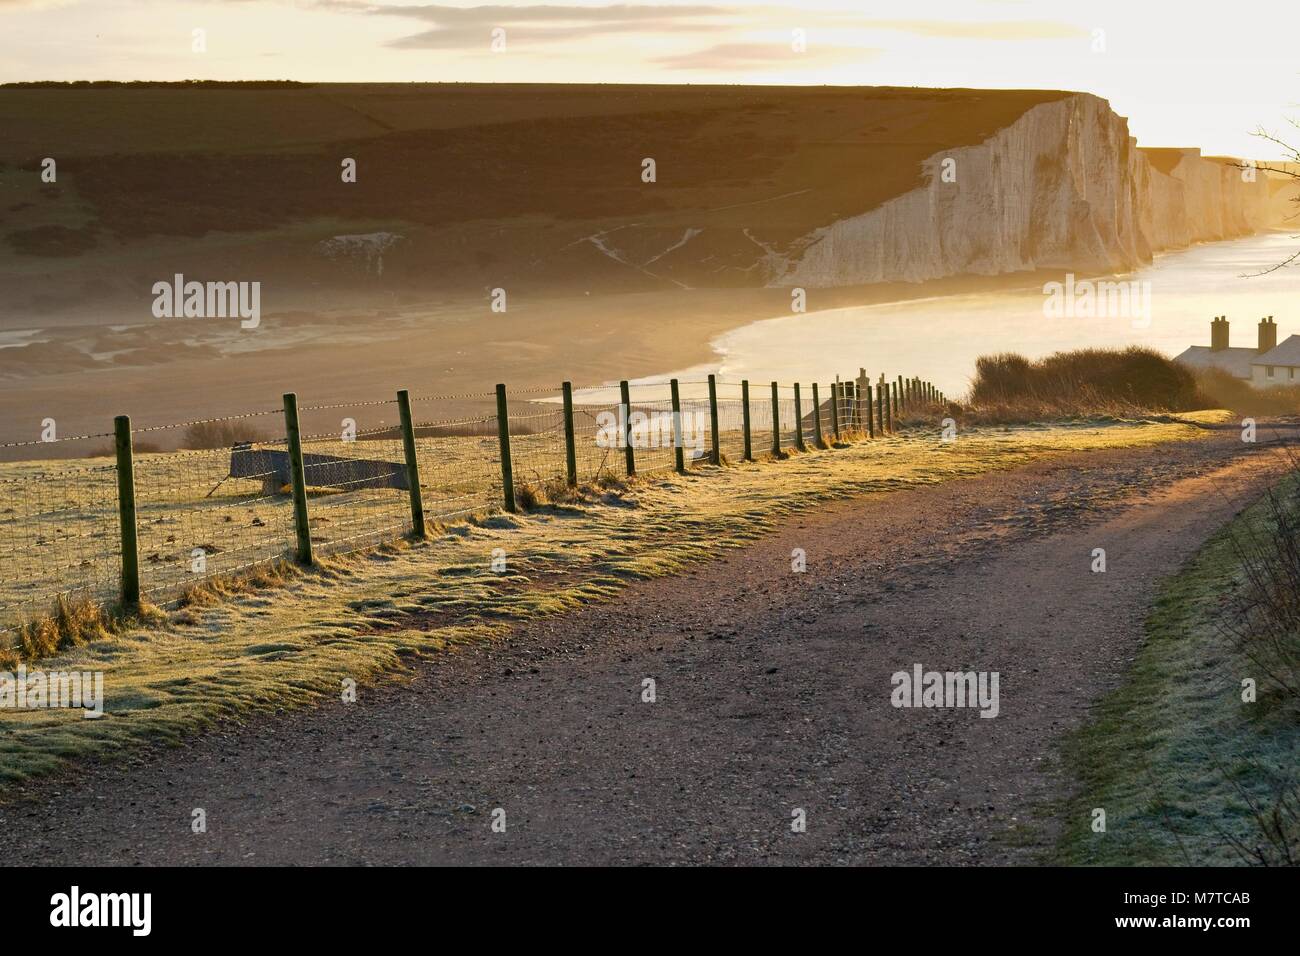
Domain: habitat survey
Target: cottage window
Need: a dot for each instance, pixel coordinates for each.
(1268, 370)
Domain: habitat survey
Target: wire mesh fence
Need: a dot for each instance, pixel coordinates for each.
(58, 534)
(731, 421)
(597, 450)
(459, 454)
(225, 499)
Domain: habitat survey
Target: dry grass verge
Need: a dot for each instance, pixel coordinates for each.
(71, 623)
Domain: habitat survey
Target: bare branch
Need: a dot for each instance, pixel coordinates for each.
(1281, 265)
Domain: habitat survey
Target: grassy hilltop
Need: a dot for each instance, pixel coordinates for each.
(487, 184)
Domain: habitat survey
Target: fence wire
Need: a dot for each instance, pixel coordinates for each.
(459, 456)
(221, 502)
(58, 534)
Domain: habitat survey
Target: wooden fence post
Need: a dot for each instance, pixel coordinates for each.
(503, 437)
(570, 442)
(126, 512)
(835, 409)
(744, 417)
(798, 420)
(679, 453)
(888, 427)
(297, 478)
(817, 419)
(412, 463)
(629, 455)
(776, 422)
(871, 415)
(713, 420)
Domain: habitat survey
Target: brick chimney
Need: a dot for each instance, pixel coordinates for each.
(1267, 335)
(1219, 333)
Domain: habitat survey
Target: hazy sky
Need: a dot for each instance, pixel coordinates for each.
(1196, 74)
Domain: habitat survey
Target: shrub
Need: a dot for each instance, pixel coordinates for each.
(1228, 391)
(222, 433)
(528, 496)
(1262, 619)
(72, 621)
(1087, 380)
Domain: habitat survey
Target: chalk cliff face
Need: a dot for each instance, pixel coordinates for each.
(1062, 187)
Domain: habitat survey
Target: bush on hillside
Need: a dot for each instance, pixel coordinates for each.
(220, 434)
(1092, 380)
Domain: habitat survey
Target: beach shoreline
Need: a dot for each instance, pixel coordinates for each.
(177, 370)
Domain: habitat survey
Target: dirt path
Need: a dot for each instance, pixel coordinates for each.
(773, 693)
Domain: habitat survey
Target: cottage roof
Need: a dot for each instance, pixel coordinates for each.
(1234, 361)
(1287, 353)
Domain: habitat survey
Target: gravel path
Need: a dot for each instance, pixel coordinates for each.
(773, 693)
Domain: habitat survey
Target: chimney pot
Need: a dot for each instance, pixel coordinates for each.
(1219, 333)
(1267, 334)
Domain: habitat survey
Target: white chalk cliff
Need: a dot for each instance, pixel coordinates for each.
(1063, 187)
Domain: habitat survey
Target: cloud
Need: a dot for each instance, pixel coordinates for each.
(723, 56)
(496, 14)
(460, 27)
(987, 30)
(457, 27)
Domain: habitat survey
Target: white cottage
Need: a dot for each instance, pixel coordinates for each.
(1266, 366)
(1278, 366)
